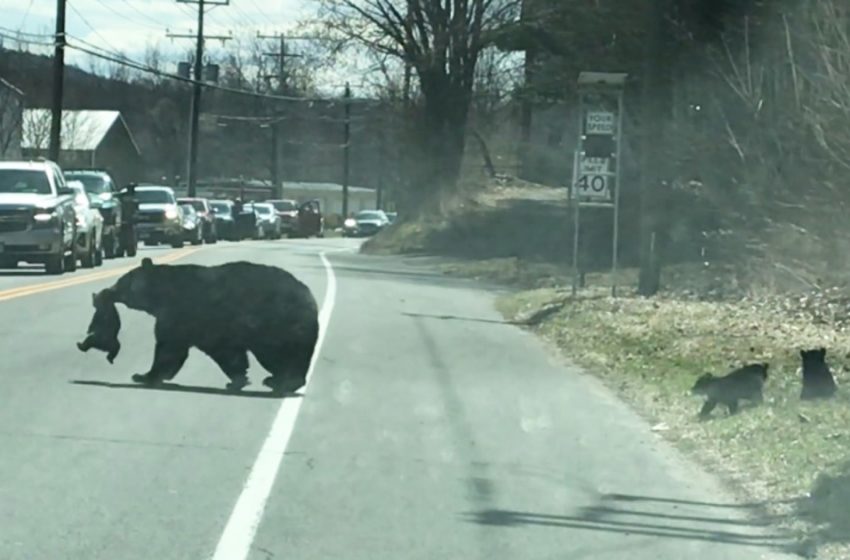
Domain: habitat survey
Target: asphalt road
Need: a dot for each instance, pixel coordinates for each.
(429, 429)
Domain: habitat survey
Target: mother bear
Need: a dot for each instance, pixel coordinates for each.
(225, 311)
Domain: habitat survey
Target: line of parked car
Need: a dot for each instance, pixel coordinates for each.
(61, 218)
(165, 218)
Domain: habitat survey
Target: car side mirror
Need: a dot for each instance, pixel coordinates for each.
(66, 191)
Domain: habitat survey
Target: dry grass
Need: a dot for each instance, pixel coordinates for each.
(652, 350)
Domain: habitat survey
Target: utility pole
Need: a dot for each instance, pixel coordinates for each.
(346, 152)
(274, 123)
(192, 172)
(58, 83)
(282, 89)
(382, 159)
(276, 184)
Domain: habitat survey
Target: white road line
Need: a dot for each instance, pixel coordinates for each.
(238, 536)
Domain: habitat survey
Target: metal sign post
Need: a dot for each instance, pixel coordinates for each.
(597, 163)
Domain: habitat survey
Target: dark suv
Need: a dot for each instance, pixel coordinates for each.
(101, 186)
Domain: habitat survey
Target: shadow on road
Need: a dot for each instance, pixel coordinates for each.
(593, 519)
(397, 274)
(635, 498)
(174, 387)
(456, 318)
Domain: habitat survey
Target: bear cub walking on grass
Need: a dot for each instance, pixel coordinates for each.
(104, 327)
(745, 383)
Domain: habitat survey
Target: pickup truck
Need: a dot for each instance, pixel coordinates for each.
(37, 217)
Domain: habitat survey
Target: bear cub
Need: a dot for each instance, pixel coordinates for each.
(104, 327)
(745, 383)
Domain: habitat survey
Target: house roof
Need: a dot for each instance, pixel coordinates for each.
(325, 187)
(9, 86)
(81, 130)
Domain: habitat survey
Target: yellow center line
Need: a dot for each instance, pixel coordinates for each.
(32, 289)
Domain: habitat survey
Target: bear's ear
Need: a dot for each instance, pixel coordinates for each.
(94, 298)
(822, 351)
(803, 353)
(147, 262)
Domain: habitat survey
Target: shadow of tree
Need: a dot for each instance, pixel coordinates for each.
(828, 506)
(668, 518)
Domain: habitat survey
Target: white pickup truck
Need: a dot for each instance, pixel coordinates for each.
(37, 217)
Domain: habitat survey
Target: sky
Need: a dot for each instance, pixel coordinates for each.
(131, 26)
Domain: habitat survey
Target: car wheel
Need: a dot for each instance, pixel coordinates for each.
(87, 260)
(213, 240)
(177, 243)
(199, 239)
(71, 261)
(98, 255)
(55, 264)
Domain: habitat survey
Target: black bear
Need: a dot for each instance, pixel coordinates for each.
(225, 311)
(818, 382)
(104, 327)
(744, 383)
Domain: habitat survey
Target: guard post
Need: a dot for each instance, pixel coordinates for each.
(597, 160)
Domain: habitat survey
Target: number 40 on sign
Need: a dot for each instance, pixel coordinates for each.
(593, 179)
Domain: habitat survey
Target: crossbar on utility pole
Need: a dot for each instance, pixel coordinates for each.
(192, 172)
(58, 83)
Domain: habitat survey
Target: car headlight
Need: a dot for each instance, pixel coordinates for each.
(171, 214)
(350, 223)
(45, 218)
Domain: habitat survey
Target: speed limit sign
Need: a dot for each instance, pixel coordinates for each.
(593, 179)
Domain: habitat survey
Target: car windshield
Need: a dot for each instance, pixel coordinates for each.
(220, 207)
(263, 210)
(94, 184)
(368, 215)
(23, 181)
(154, 196)
(188, 209)
(284, 206)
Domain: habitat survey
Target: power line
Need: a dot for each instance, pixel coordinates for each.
(260, 10)
(90, 26)
(143, 14)
(26, 14)
(18, 32)
(120, 59)
(24, 40)
(125, 17)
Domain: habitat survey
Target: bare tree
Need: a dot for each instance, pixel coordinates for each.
(76, 129)
(442, 41)
(11, 121)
